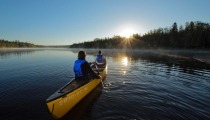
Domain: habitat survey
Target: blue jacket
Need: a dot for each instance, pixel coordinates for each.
(77, 68)
(99, 58)
(83, 72)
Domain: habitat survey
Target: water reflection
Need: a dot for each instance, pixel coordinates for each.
(84, 109)
(7, 52)
(125, 61)
(140, 84)
(184, 59)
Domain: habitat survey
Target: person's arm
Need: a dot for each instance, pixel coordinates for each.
(91, 72)
(92, 63)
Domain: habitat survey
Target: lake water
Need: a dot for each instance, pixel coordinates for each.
(140, 84)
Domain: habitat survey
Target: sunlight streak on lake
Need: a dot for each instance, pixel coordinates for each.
(125, 61)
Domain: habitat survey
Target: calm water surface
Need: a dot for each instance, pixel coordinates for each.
(139, 85)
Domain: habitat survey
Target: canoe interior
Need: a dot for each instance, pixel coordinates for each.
(68, 96)
(72, 85)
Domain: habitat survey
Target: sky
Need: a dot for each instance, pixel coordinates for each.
(64, 22)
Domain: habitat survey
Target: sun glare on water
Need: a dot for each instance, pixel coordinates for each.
(125, 61)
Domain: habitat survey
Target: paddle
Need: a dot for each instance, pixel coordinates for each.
(99, 74)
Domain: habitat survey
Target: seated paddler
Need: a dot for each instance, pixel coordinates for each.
(99, 58)
(82, 70)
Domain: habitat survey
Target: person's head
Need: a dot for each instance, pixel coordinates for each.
(81, 55)
(99, 52)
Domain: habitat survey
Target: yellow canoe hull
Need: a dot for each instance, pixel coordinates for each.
(61, 105)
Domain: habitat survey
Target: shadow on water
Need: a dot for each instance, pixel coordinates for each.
(83, 109)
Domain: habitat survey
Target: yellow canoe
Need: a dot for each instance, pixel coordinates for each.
(68, 96)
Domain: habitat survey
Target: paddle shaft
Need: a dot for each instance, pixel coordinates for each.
(98, 74)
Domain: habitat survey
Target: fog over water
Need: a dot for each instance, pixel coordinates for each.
(140, 84)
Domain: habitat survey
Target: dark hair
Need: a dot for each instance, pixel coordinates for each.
(99, 52)
(81, 55)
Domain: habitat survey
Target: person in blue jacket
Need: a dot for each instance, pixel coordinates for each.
(82, 70)
(99, 58)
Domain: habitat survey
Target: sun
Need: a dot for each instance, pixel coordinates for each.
(127, 32)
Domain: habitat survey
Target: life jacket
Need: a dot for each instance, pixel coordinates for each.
(99, 58)
(77, 68)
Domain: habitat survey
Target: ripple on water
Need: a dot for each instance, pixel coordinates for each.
(143, 88)
(156, 91)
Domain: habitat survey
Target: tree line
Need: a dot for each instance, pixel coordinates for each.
(192, 35)
(16, 43)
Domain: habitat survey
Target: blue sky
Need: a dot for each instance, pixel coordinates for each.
(64, 22)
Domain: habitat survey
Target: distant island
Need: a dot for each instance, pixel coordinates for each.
(16, 44)
(193, 35)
